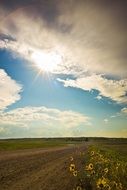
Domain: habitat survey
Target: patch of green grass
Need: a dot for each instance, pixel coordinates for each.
(117, 148)
(16, 144)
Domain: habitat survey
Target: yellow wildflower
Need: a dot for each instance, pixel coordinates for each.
(106, 170)
(71, 158)
(72, 167)
(120, 186)
(75, 173)
(118, 164)
(78, 188)
(92, 153)
(101, 156)
(108, 187)
(101, 183)
(90, 166)
(106, 160)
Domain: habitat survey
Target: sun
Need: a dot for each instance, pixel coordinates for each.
(46, 62)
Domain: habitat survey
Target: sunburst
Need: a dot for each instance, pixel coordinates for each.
(46, 62)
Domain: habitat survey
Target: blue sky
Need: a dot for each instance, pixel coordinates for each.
(59, 77)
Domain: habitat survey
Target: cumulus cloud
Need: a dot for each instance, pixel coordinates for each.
(124, 111)
(113, 89)
(47, 121)
(9, 90)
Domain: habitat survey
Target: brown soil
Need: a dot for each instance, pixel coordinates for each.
(39, 169)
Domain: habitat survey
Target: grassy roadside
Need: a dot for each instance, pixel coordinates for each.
(102, 167)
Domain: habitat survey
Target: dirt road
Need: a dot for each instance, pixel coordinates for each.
(39, 169)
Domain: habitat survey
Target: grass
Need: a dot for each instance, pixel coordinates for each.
(18, 144)
(119, 149)
(29, 143)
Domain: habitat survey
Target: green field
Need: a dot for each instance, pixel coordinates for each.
(28, 144)
(17, 144)
(118, 145)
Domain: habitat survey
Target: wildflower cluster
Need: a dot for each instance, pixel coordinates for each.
(99, 171)
(105, 171)
(73, 168)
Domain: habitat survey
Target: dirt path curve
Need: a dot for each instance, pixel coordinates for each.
(39, 169)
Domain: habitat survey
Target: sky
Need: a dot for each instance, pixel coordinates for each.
(63, 68)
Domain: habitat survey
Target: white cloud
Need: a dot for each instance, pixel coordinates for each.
(124, 111)
(43, 121)
(9, 90)
(43, 114)
(122, 114)
(113, 89)
(113, 116)
(99, 97)
(106, 120)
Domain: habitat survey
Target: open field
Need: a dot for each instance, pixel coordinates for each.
(49, 166)
(16, 144)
